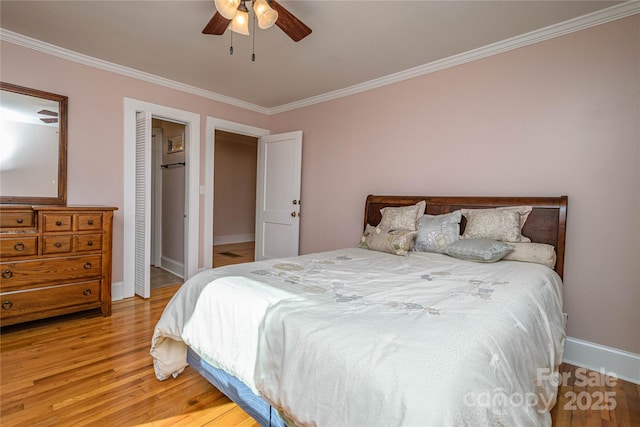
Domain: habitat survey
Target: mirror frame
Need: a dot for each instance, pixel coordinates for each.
(63, 101)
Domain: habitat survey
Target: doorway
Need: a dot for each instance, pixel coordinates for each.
(167, 203)
(137, 193)
(234, 200)
(214, 125)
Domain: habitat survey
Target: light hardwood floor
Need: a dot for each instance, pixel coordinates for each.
(85, 369)
(233, 253)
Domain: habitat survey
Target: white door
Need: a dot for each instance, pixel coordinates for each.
(278, 195)
(142, 208)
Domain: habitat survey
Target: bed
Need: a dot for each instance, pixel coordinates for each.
(362, 337)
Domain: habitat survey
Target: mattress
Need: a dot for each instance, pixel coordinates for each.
(357, 337)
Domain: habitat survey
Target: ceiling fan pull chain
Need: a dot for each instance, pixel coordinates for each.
(253, 35)
(231, 47)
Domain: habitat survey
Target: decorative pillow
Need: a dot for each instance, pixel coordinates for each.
(436, 232)
(479, 250)
(539, 253)
(493, 224)
(367, 232)
(397, 242)
(402, 218)
(524, 212)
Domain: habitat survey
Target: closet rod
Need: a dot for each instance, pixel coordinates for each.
(173, 164)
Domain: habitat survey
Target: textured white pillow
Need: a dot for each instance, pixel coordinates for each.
(492, 224)
(402, 218)
(539, 253)
(504, 224)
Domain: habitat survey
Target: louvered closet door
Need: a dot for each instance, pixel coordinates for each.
(143, 205)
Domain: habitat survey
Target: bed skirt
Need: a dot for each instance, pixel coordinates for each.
(237, 391)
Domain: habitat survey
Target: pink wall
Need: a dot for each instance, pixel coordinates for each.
(96, 128)
(558, 117)
(234, 205)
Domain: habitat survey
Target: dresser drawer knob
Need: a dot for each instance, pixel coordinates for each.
(58, 245)
(7, 274)
(90, 243)
(20, 220)
(90, 222)
(58, 222)
(87, 265)
(6, 305)
(86, 292)
(19, 246)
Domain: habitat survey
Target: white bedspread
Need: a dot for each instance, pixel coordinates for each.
(361, 338)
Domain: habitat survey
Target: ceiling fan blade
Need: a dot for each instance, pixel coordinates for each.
(292, 26)
(217, 25)
(48, 113)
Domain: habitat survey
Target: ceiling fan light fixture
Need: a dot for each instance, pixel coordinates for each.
(240, 22)
(265, 14)
(227, 8)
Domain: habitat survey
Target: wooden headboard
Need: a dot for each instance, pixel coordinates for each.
(547, 221)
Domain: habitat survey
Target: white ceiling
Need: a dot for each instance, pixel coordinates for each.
(352, 41)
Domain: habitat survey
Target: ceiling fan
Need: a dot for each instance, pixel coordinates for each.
(267, 12)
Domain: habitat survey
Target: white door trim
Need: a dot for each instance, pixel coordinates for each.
(213, 124)
(192, 181)
(156, 187)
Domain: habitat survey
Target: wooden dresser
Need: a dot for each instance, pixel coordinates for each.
(54, 260)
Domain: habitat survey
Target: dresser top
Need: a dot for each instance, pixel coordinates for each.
(58, 207)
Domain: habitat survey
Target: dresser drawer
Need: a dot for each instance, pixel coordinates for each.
(56, 244)
(21, 275)
(88, 242)
(17, 220)
(46, 299)
(88, 222)
(19, 246)
(56, 222)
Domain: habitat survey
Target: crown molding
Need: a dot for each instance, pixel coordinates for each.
(603, 16)
(31, 43)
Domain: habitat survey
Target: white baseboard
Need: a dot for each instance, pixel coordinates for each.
(172, 266)
(233, 238)
(595, 357)
(117, 291)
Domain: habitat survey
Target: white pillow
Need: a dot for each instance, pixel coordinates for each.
(539, 253)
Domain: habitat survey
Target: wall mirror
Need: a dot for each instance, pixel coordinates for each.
(33, 146)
